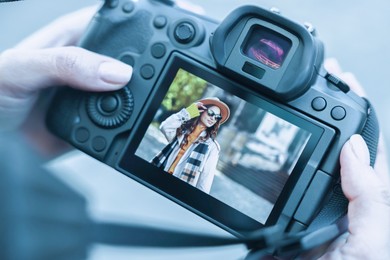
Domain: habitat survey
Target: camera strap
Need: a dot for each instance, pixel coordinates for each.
(328, 225)
(20, 222)
(260, 242)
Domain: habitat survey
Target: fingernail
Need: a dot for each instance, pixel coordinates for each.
(359, 148)
(116, 73)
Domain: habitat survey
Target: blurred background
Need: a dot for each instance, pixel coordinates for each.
(354, 32)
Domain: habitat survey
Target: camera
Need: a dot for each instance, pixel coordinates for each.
(281, 119)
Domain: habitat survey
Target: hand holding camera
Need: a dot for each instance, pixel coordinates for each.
(46, 59)
(253, 71)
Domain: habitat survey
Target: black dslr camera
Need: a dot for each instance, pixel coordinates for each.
(277, 151)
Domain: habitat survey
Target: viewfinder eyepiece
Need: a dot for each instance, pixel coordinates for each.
(267, 47)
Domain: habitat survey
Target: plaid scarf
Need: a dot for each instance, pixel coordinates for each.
(193, 164)
(160, 159)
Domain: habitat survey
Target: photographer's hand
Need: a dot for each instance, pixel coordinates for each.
(41, 61)
(368, 192)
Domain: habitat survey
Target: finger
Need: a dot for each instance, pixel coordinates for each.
(353, 83)
(354, 161)
(360, 149)
(359, 180)
(381, 164)
(332, 66)
(369, 200)
(354, 151)
(201, 106)
(64, 31)
(26, 71)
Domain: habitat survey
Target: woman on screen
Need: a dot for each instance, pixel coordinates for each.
(193, 151)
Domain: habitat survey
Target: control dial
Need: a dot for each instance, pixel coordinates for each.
(110, 109)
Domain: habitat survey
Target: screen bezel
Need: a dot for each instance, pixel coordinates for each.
(190, 197)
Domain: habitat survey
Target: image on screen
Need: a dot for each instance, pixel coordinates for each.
(226, 147)
(267, 47)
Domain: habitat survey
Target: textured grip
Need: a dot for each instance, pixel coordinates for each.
(63, 113)
(370, 132)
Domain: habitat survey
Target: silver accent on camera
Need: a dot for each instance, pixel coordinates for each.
(310, 27)
(275, 10)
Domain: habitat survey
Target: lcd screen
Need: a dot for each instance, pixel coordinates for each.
(217, 142)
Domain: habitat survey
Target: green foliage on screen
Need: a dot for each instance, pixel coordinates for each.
(184, 89)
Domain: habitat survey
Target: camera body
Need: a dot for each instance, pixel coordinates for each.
(289, 118)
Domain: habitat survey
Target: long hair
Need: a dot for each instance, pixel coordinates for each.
(189, 126)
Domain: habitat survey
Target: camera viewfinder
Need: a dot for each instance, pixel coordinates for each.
(267, 47)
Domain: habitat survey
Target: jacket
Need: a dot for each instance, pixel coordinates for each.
(204, 178)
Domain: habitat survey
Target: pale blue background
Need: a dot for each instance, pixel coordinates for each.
(355, 32)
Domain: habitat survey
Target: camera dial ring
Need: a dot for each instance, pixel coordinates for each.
(112, 109)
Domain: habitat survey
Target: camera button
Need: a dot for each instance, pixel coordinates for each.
(112, 3)
(99, 143)
(337, 82)
(128, 7)
(110, 110)
(184, 32)
(109, 104)
(318, 104)
(147, 71)
(160, 21)
(82, 135)
(338, 113)
(158, 50)
(167, 2)
(127, 58)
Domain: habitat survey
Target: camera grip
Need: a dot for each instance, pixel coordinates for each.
(370, 132)
(337, 205)
(63, 113)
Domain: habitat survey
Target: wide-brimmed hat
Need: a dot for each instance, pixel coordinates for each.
(214, 101)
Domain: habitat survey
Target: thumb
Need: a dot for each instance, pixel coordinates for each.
(355, 149)
(369, 203)
(27, 71)
(355, 163)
